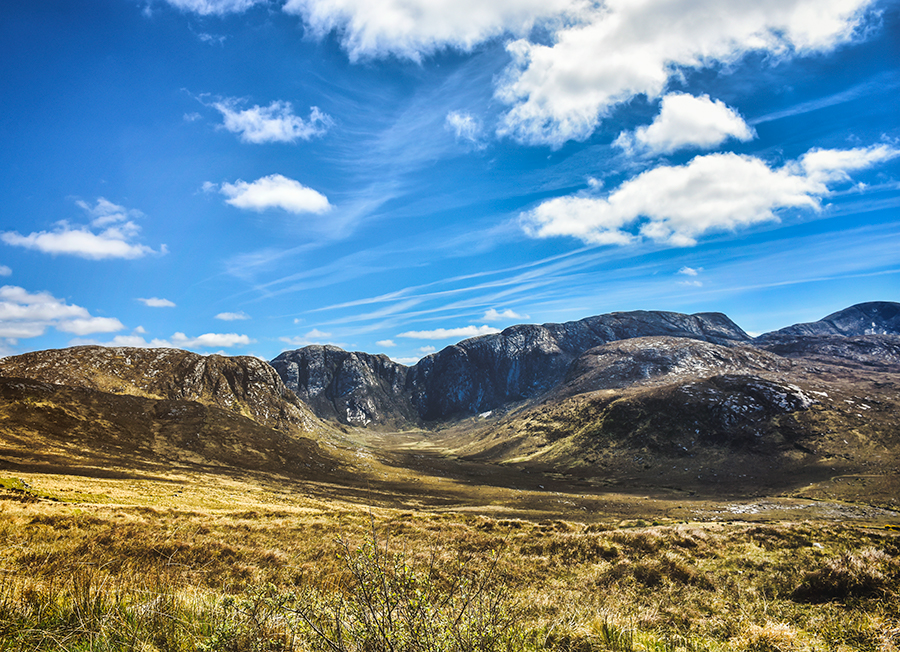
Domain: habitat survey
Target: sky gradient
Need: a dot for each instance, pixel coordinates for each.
(252, 176)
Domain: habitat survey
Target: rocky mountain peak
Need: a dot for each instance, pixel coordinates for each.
(873, 318)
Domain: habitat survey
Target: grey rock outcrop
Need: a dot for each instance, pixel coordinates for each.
(478, 374)
(353, 388)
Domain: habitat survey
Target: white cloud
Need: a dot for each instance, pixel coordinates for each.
(315, 336)
(154, 302)
(825, 165)
(687, 121)
(690, 271)
(387, 344)
(26, 314)
(427, 349)
(450, 333)
(494, 315)
(620, 49)
(115, 238)
(209, 340)
(715, 192)
(408, 361)
(5, 271)
(275, 191)
(215, 7)
(89, 325)
(232, 316)
(465, 127)
(413, 28)
(275, 123)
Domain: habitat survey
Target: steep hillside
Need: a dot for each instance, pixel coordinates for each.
(243, 385)
(69, 429)
(680, 413)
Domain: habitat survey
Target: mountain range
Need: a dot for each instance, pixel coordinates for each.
(630, 397)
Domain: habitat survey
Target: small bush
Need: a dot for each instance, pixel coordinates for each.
(392, 606)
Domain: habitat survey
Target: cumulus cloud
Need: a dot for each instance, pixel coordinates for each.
(687, 121)
(232, 316)
(387, 344)
(111, 233)
(275, 191)
(5, 271)
(25, 314)
(620, 49)
(275, 123)
(415, 28)
(154, 302)
(495, 315)
(215, 7)
(715, 192)
(450, 333)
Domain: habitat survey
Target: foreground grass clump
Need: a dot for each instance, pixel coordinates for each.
(340, 579)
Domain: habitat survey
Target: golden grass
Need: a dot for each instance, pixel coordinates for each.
(196, 561)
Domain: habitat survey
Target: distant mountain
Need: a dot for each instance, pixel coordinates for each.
(874, 318)
(642, 398)
(478, 374)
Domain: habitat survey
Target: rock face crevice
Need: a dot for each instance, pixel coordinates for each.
(478, 374)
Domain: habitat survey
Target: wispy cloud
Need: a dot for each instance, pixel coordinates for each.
(275, 123)
(232, 316)
(315, 336)
(450, 333)
(505, 315)
(154, 302)
(215, 7)
(210, 340)
(111, 234)
(466, 128)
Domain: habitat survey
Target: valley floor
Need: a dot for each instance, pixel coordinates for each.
(193, 560)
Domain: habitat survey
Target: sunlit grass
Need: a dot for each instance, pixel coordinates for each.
(226, 564)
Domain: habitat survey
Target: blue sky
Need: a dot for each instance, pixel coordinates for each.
(392, 176)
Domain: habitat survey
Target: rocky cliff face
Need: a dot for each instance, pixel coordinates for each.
(476, 375)
(353, 388)
(243, 385)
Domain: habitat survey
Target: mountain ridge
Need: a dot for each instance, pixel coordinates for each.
(478, 374)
